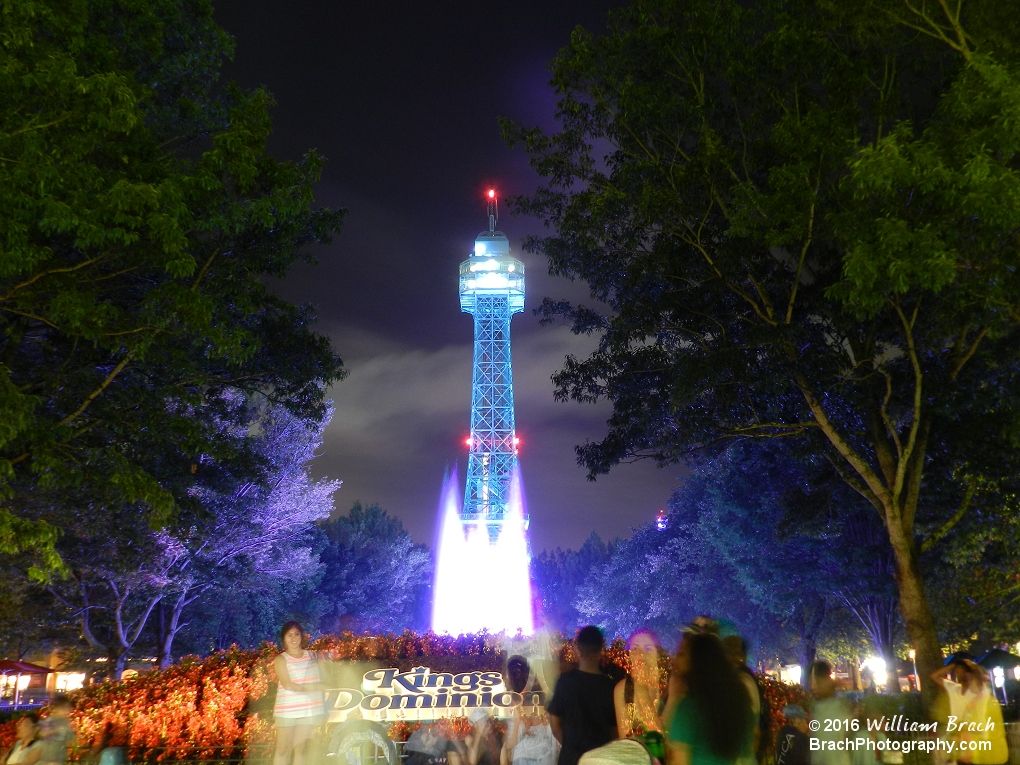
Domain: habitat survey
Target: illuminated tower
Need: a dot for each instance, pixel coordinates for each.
(492, 290)
(486, 537)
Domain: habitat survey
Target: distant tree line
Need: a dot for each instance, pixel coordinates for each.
(790, 556)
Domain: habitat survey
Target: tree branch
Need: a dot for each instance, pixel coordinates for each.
(946, 527)
(98, 391)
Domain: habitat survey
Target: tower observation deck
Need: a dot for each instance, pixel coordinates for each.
(492, 290)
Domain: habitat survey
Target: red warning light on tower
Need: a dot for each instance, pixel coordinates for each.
(492, 193)
(468, 441)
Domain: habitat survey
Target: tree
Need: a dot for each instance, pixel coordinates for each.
(794, 239)
(141, 217)
(258, 534)
(374, 577)
(797, 539)
(245, 536)
(559, 576)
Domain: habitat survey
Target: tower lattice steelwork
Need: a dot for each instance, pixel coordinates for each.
(492, 290)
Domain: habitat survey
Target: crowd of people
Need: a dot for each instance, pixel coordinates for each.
(701, 706)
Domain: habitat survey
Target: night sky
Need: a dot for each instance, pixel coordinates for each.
(402, 99)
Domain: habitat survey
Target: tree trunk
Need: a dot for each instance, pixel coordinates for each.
(811, 623)
(118, 660)
(808, 654)
(917, 616)
(170, 627)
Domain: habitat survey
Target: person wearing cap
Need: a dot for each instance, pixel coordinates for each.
(483, 747)
(792, 743)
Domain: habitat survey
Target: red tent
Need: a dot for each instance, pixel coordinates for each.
(11, 667)
(19, 668)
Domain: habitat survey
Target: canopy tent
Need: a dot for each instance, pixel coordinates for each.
(19, 668)
(998, 658)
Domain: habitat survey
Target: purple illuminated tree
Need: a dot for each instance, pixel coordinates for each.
(244, 532)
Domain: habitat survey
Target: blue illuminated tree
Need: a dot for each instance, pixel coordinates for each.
(374, 577)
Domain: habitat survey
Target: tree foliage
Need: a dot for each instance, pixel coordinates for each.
(804, 229)
(374, 577)
(141, 215)
(559, 576)
(245, 539)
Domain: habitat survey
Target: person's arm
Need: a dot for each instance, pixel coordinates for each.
(478, 740)
(620, 705)
(283, 676)
(557, 728)
(513, 731)
(940, 674)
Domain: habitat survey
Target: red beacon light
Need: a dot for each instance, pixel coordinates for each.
(468, 441)
(492, 193)
(517, 441)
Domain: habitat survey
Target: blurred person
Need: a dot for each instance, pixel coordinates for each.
(55, 734)
(581, 713)
(104, 754)
(702, 625)
(429, 746)
(863, 755)
(828, 707)
(544, 659)
(483, 744)
(792, 742)
(637, 698)
(736, 650)
(26, 745)
(529, 739)
(712, 722)
(975, 711)
(299, 707)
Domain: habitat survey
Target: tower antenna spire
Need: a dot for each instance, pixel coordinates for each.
(493, 211)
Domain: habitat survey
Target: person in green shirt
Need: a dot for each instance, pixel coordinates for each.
(711, 723)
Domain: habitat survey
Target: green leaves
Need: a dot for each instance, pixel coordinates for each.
(928, 211)
(139, 215)
(804, 228)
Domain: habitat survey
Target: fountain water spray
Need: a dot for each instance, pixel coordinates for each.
(481, 585)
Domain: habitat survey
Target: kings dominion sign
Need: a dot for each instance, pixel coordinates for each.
(420, 694)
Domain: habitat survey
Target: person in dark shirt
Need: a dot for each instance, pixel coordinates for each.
(792, 745)
(582, 713)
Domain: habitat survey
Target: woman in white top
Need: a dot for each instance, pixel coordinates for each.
(976, 711)
(26, 748)
(299, 707)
